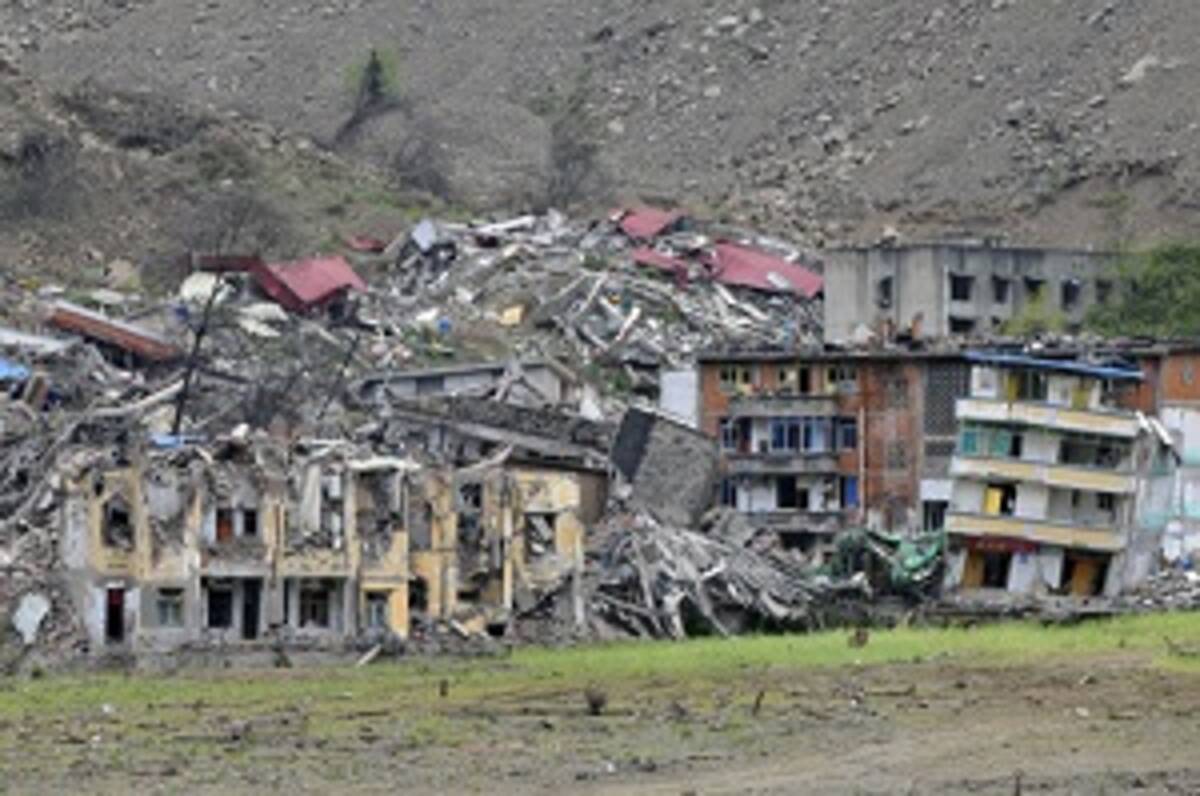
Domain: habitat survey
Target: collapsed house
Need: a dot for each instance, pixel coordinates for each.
(319, 545)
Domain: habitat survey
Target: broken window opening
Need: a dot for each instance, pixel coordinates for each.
(960, 325)
(1000, 500)
(418, 594)
(538, 533)
(848, 433)
(1033, 288)
(169, 606)
(883, 293)
(377, 610)
(1000, 290)
(220, 604)
(961, 287)
(848, 491)
(315, 599)
(934, 514)
(118, 524)
(1103, 290)
(249, 522)
(787, 496)
(843, 379)
(788, 378)
(806, 381)
(224, 525)
(1071, 291)
(736, 379)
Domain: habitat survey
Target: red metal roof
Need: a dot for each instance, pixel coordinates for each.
(305, 284)
(645, 223)
(741, 266)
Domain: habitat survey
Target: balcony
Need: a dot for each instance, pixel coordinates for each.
(1040, 531)
(1084, 421)
(1053, 475)
(781, 463)
(783, 405)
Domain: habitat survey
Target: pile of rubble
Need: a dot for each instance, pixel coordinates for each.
(1170, 589)
(663, 582)
(632, 294)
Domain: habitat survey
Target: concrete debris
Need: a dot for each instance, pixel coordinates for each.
(660, 581)
(29, 616)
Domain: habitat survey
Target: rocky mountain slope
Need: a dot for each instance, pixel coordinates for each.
(1062, 121)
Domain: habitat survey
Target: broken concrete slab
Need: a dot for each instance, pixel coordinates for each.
(28, 618)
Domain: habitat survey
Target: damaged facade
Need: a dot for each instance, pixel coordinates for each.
(967, 288)
(815, 442)
(202, 547)
(1056, 487)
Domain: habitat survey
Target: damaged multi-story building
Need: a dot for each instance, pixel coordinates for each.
(815, 441)
(321, 544)
(1057, 487)
(950, 288)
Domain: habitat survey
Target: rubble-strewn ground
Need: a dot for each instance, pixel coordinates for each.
(1101, 707)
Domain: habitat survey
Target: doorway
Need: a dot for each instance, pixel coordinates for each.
(251, 602)
(114, 616)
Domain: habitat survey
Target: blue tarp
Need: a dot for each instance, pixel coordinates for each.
(13, 371)
(173, 442)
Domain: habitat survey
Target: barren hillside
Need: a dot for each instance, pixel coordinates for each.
(1067, 121)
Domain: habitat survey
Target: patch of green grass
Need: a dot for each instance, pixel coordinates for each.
(337, 700)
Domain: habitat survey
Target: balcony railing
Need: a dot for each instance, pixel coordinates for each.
(1053, 475)
(1086, 421)
(1042, 531)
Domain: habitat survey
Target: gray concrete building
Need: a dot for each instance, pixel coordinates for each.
(959, 288)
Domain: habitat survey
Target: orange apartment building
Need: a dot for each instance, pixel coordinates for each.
(821, 440)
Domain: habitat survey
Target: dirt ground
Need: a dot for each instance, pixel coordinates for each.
(1113, 723)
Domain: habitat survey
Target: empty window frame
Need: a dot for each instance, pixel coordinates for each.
(847, 433)
(962, 287)
(842, 378)
(735, 378)
(883, 292)
(1033, 287)
(315, 597)
(1071, 290)
(933, 514)
(1103, 290)
(787, 496)
(785, 434)
(220, 604)
(1029, 385)
(169, 607)
(1000, 500)
(1000, 289)
(224, 523)
(377, 610)
(959, 325)
(118, 524)
(848, 491)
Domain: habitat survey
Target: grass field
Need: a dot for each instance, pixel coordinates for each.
(669, 701)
